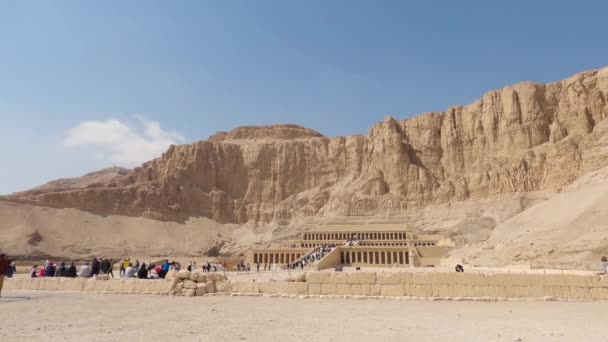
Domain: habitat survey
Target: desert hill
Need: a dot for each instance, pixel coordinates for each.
(469, 170)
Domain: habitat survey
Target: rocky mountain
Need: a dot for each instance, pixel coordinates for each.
(521, 138)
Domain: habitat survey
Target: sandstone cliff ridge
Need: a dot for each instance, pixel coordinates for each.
(521, 138)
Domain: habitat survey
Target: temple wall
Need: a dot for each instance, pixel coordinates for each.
(176, 283)
(330, 260)
(436, 285)
(399, 284)
(88, 285)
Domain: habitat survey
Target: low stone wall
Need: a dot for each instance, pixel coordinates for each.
(89, 285)
(182, 283)
(357, 284)
(436, 285)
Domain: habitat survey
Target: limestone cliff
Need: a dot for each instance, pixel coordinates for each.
(521, 138)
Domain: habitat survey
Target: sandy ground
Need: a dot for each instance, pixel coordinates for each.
(57, 316)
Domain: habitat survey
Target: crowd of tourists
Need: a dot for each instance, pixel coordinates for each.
(207, 267)
(105, 266)
(317, 254)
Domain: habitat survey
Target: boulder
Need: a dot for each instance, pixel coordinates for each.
(216, 277)
(170, 275)
(189, 292)
(194, 276)
(183, 274)
(300, 278)
(222, 286)
(210, 287)
(189, 284)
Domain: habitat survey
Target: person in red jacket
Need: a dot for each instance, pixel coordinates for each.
(4, 263)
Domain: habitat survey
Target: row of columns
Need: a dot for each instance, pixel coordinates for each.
(275, 258)
(383, 243)
(374, 257)
(358, 236)
(424, 244)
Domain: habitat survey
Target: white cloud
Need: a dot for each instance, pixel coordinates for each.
(125, 145)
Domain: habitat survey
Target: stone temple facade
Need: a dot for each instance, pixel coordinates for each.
(373, 245)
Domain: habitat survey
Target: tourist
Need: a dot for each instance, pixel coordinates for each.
(121, 270)
(123, 266)
(4, 265)
(604, 265)
(110, 268)
(155, 272)
(189, 266)
(41, 273)
(104, 266)
(49, 270)
(143, 272)
(130, 271)
(33, 271)
(85, 271)
(164, 269)
(136, 264)
(12, 269)
(95, 267)
(70, 272)
(459, 268)
(61, 270)
(258, 267)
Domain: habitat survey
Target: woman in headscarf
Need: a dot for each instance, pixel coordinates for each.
(143, 272)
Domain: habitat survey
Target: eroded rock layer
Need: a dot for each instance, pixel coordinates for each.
(524, 137)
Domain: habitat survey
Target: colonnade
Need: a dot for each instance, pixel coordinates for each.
(381, 243)
(424, 243)
(320, 236)
(276, 257)
(374, 257)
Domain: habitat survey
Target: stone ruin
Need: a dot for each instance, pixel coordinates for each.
(190, 284)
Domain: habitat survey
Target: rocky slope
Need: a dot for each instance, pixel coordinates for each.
(95, 179)
(521, 138)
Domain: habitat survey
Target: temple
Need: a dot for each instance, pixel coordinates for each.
(373, 245)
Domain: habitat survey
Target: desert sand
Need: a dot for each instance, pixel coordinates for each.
(55, 316)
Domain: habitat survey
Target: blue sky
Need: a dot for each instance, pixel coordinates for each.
(90, 84)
